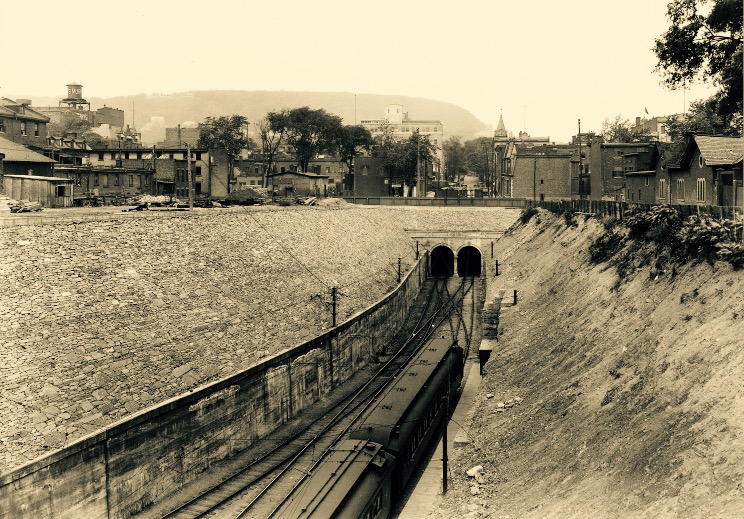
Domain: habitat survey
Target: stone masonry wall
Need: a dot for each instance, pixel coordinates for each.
(136, 462)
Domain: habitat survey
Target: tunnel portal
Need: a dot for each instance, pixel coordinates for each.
(469, 262)
(442, 261)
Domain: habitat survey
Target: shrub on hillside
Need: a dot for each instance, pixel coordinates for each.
(527, 214)
(606, 246)
(705, 238)
(660, 225)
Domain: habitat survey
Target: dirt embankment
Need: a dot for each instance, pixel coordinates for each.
(632, 401)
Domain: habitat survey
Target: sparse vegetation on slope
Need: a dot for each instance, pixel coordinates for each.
(629, 393)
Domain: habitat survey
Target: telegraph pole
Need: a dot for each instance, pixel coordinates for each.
(581, 167)
(418, 162)
(191, 183)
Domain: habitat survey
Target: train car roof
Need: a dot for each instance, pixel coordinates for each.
(325, 493)
(380, 423)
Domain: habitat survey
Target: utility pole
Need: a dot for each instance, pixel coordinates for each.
(191, 183)
(445, 419)
(333, 306)
(534, 181)
(581, 167)
(418, 162)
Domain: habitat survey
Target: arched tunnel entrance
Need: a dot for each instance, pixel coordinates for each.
(469, 262)
(442, 261)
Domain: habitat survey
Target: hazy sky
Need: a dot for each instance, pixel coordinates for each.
(545, 63)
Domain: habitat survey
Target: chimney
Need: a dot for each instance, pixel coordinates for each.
(638, 122)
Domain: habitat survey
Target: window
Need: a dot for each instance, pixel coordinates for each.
(198, 155)
(662, 188)
(139, 181)
(126, 155)
(2, 125)
(113, 155)
(116, 179)
(23, 127)
(647, 181)
(95, 179)
(701, 190)
(61, 191)
(147, 180)
(100, 157)
(198, 170)
(680, 189)
(197, 188)
(36, 129)
(105, 180)
(131, 180)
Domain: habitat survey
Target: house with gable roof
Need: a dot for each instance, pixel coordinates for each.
(709, 172)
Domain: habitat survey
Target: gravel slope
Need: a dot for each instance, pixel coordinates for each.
(607, 399)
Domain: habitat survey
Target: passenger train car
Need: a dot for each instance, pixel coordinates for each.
(364, 475)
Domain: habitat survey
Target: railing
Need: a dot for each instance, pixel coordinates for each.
(617, 209)
(436, 202)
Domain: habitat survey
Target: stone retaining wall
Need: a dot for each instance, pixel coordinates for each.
(126, 467)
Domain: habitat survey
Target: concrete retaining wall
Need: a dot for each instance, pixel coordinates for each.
(125, 468)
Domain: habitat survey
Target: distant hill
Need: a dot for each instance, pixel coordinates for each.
(177, 108)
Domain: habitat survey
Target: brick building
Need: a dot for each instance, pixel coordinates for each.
(22, 124)
(542, 172)
(709, 173)
(609, 163)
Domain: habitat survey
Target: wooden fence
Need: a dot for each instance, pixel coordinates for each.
(618, 209)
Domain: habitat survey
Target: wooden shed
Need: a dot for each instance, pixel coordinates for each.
(48, 191)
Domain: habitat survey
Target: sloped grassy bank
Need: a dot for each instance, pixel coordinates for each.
(617, 389)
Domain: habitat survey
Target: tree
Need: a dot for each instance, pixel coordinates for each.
(353, 140)
(404, 160)
(704, 46)
(271, 130)
(454, 158)
(72, 123)
(228, 133)
(309, 132)
(620, 130)
(478, 155)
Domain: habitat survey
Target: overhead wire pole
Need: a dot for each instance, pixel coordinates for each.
(418, 162)
(190, 180)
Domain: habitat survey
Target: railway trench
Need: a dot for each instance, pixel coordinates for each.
(459, 324)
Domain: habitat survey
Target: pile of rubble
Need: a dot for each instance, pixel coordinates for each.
(23, 206)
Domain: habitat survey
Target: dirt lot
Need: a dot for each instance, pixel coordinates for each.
(607, 398)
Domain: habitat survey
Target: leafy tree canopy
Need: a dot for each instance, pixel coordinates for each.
(704, 45)
(621, 130)
(351, 141)
(402, 159)
(227, 133)
(308, 131)
(455, 159)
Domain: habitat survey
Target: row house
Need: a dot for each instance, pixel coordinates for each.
(609, 163)
(106, 185)
(249, 169)
(709, 173)
(21, 124)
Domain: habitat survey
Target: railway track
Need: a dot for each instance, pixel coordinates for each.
(256, 489)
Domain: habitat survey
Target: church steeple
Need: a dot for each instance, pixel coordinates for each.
(501, 129)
